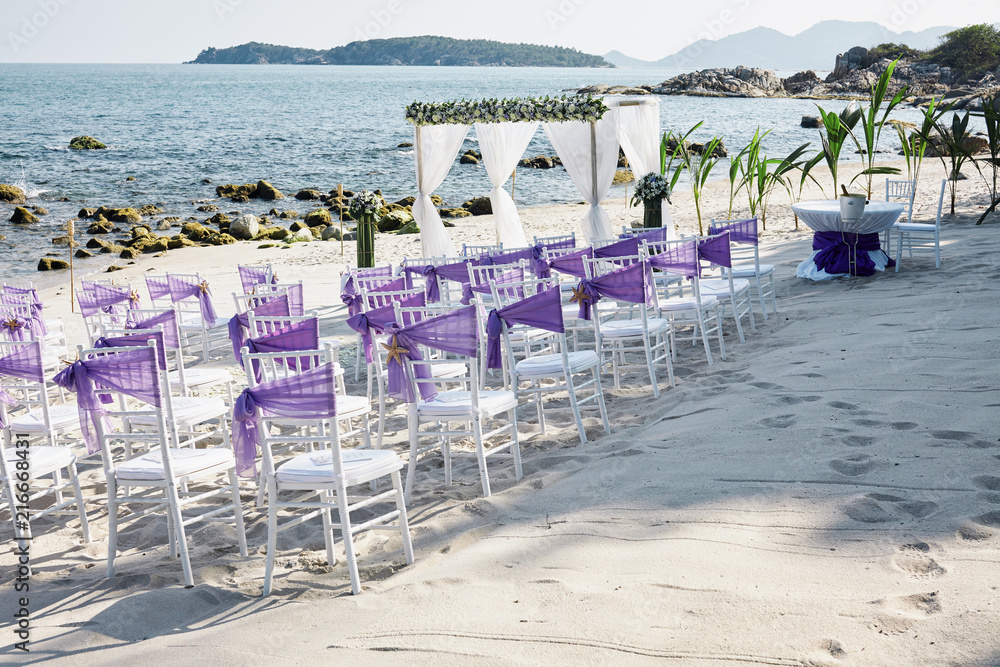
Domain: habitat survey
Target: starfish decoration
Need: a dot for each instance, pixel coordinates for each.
(133, 296)
(12, 324)
(579, 296)
(203, 286)
(395, 351)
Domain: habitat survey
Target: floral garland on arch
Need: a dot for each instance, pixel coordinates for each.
(532, 109)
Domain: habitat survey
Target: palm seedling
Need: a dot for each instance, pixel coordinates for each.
(872, 120)
(834, 134)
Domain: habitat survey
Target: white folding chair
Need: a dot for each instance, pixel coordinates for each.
(469, 250)
(921, 235)
(319, 481)
(194, 329)
(901, 192)
(745, 252)
(733, 294)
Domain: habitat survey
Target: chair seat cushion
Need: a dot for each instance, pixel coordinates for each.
(459, 404)
(719, 288)
(359, 466)
(682, 303)
(187, 410)
(42, 459)
(914, 227)
(572, 311)
(185, 462)
(632, 328)
(520, 334)
(194, 324)
(550, 365)
(65, 417)
(750, 271)
(200, 377)
(347, 404)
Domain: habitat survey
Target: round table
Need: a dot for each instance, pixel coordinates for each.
(841, 249)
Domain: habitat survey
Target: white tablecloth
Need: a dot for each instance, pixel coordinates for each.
(824, 216)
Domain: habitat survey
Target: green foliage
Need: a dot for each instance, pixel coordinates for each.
(872, 124)
(892, 52)
(969, 50)
(426, 50)
(989, 167)
(953, 140)
(700, 170)
(671, 147)
(742, 166)
(834, 133)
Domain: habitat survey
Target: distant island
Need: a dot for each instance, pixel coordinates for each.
(425, 50)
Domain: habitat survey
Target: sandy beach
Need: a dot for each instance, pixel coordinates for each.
(827, 495)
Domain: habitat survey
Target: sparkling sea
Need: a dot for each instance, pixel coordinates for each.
(171, 126)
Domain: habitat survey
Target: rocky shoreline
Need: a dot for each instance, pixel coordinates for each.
(854, 72)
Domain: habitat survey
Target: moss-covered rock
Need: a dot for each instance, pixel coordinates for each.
(409, 228)
(288, 215)
(23, 216)
(245, 227)
(623, 176)
(221, 239)
(454, 213)
(100, 228)
(129, 179)
(140, 231)
(179, 242)
(307, 195)
(62, 240)
(300, 236)
(266, 191)
(229, 190)
(393, 220)
(113, 268)
(331, 233)
(149, 210)
(241, 199)
(85, 143)
(220, 219)
(272, 233)
(479, 206)
(163, 226)
(265, 246)
(129, 253)
(38, 210)
(207, 208)
(111, 248)
(320, 216)
(11, 194)
(86, 213)
(50, 264)
(196, 231)
(83, 254)
(119, 214)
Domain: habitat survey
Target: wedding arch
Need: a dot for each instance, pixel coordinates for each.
(585, 132)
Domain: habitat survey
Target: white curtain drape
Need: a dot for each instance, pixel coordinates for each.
(436, 148)
(589, 151)
(639, 125)
(502, 145)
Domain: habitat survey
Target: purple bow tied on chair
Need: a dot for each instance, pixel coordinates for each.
(298, 336)
(25, 363)
(572, 263)
(457, 272)
(133, 372)
(456, 332)
(276, 307)
(135, 340)
(183, 289)
(308, 395)
(378, 319)
(716, 250)
(497, 277)
(740, 231)
(158, 287)
(14, 327)
(633, 284)
(678, 258)
(165, 322)
(542, 311)
(623, 248)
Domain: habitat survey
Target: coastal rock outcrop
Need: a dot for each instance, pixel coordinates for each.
(245, 227)
(394, 220)
(724, 82)
(307, 195)
(85, 143)
(49, 264)
(23, 216)
(320, 216)
(479, 206)
(11, 194)
(266, 191)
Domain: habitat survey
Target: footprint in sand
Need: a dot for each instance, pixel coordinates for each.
(902, 613)
(795, 400)
(918, 509)
(958, 436)
(903, 426)
(781, 421)
(852, 466)
(840, 405)
(991, 519)
(866, 510)
(858, 440)
(973, 533)
(913, 559)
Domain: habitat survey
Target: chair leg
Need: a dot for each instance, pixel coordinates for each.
(345, 529)
(600, 398)
(331, 555)
(411, 465)
(241, 534)
(182, 548)
(937, 251)
(899, 249)
(84, 524)
(484, 475)
(571, 390)
(652, 371)
(112, 525)
(272, 534)
(515, 445)
(446, 454)
(404, 524)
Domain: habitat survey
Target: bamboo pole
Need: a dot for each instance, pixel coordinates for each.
(72, 282)
(340, 209)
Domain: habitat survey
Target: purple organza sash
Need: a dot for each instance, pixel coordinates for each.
(501, 257)
(678, 258)
(295, 337)
(34, 302)
(158, 287)
(132, 372)
(838, 249)
(716, 250)
(455, 332)
(457, 271)
(652, 235)
(356, 304)
(107, 299)
(181, 288)
(740, 231)
(274, 307)
(14, 327)
(34, 310)
(633, 284)
(255, 275)
(135, 340)
(378, 319)
(572, 263)
(296, 300)
(542, 311)
(624, 248)
(24, 362)
(166, 322)
(309, 395)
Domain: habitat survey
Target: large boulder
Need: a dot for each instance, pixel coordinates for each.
(220, 219)
(454, 213)
(307, 195)
(478, 206)
(11, 194)
(468, 158)
(848, 62)
(265, 190)
(393, 220)
(331, 233)
(196, 231)
(119, 214)
(82, 254)
(245, 227)
(49, 264)
(85, 144)
(221, 239)
(272, 233)
(229, 191)
(179, 241)
(801, 82)
(87, 213)
(23, 216)
(320, 216)
(101, 227)
(409, 228)
(300, 236)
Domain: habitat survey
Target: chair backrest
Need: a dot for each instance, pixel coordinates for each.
(191, 293)
(251, 276)
(469, 250)
(558, 242)
(743, 239)
(541, 308)
(902, 192)
(22, 379)
(443, 282)
(261, 325)
(159, 290)
(937, 221)
(678, 257)
(297, 340)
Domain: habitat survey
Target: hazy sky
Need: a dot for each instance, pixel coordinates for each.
(171, 31)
